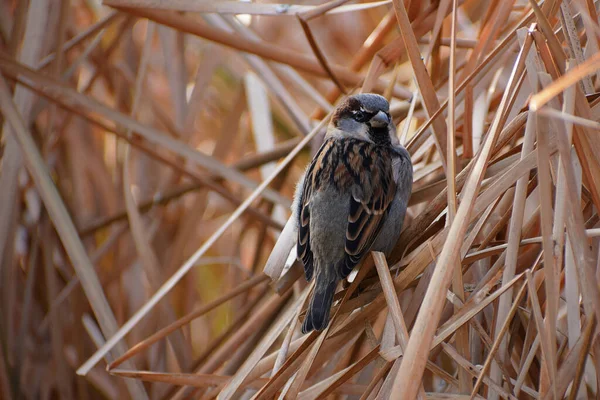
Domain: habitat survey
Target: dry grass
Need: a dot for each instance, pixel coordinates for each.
(149, 153)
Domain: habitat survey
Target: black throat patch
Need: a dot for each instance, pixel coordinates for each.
(380, 136)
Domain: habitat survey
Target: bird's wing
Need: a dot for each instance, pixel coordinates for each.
(312, 180)
(303, 246)
(368, 208)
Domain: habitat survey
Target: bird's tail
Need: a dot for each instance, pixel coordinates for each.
(317, 315)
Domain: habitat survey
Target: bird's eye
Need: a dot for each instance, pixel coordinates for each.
(360, 116)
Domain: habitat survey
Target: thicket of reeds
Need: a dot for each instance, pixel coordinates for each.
(149, 154)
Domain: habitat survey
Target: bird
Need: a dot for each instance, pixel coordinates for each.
(352, 198)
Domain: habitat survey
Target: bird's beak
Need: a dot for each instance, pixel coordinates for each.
(380, 120)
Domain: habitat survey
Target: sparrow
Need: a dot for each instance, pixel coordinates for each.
(352, 198)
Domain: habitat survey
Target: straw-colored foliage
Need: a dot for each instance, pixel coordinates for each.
(149, 153)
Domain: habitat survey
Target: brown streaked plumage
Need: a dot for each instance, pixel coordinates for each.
(344, 166)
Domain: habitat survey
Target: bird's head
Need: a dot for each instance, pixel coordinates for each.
(366, 117)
